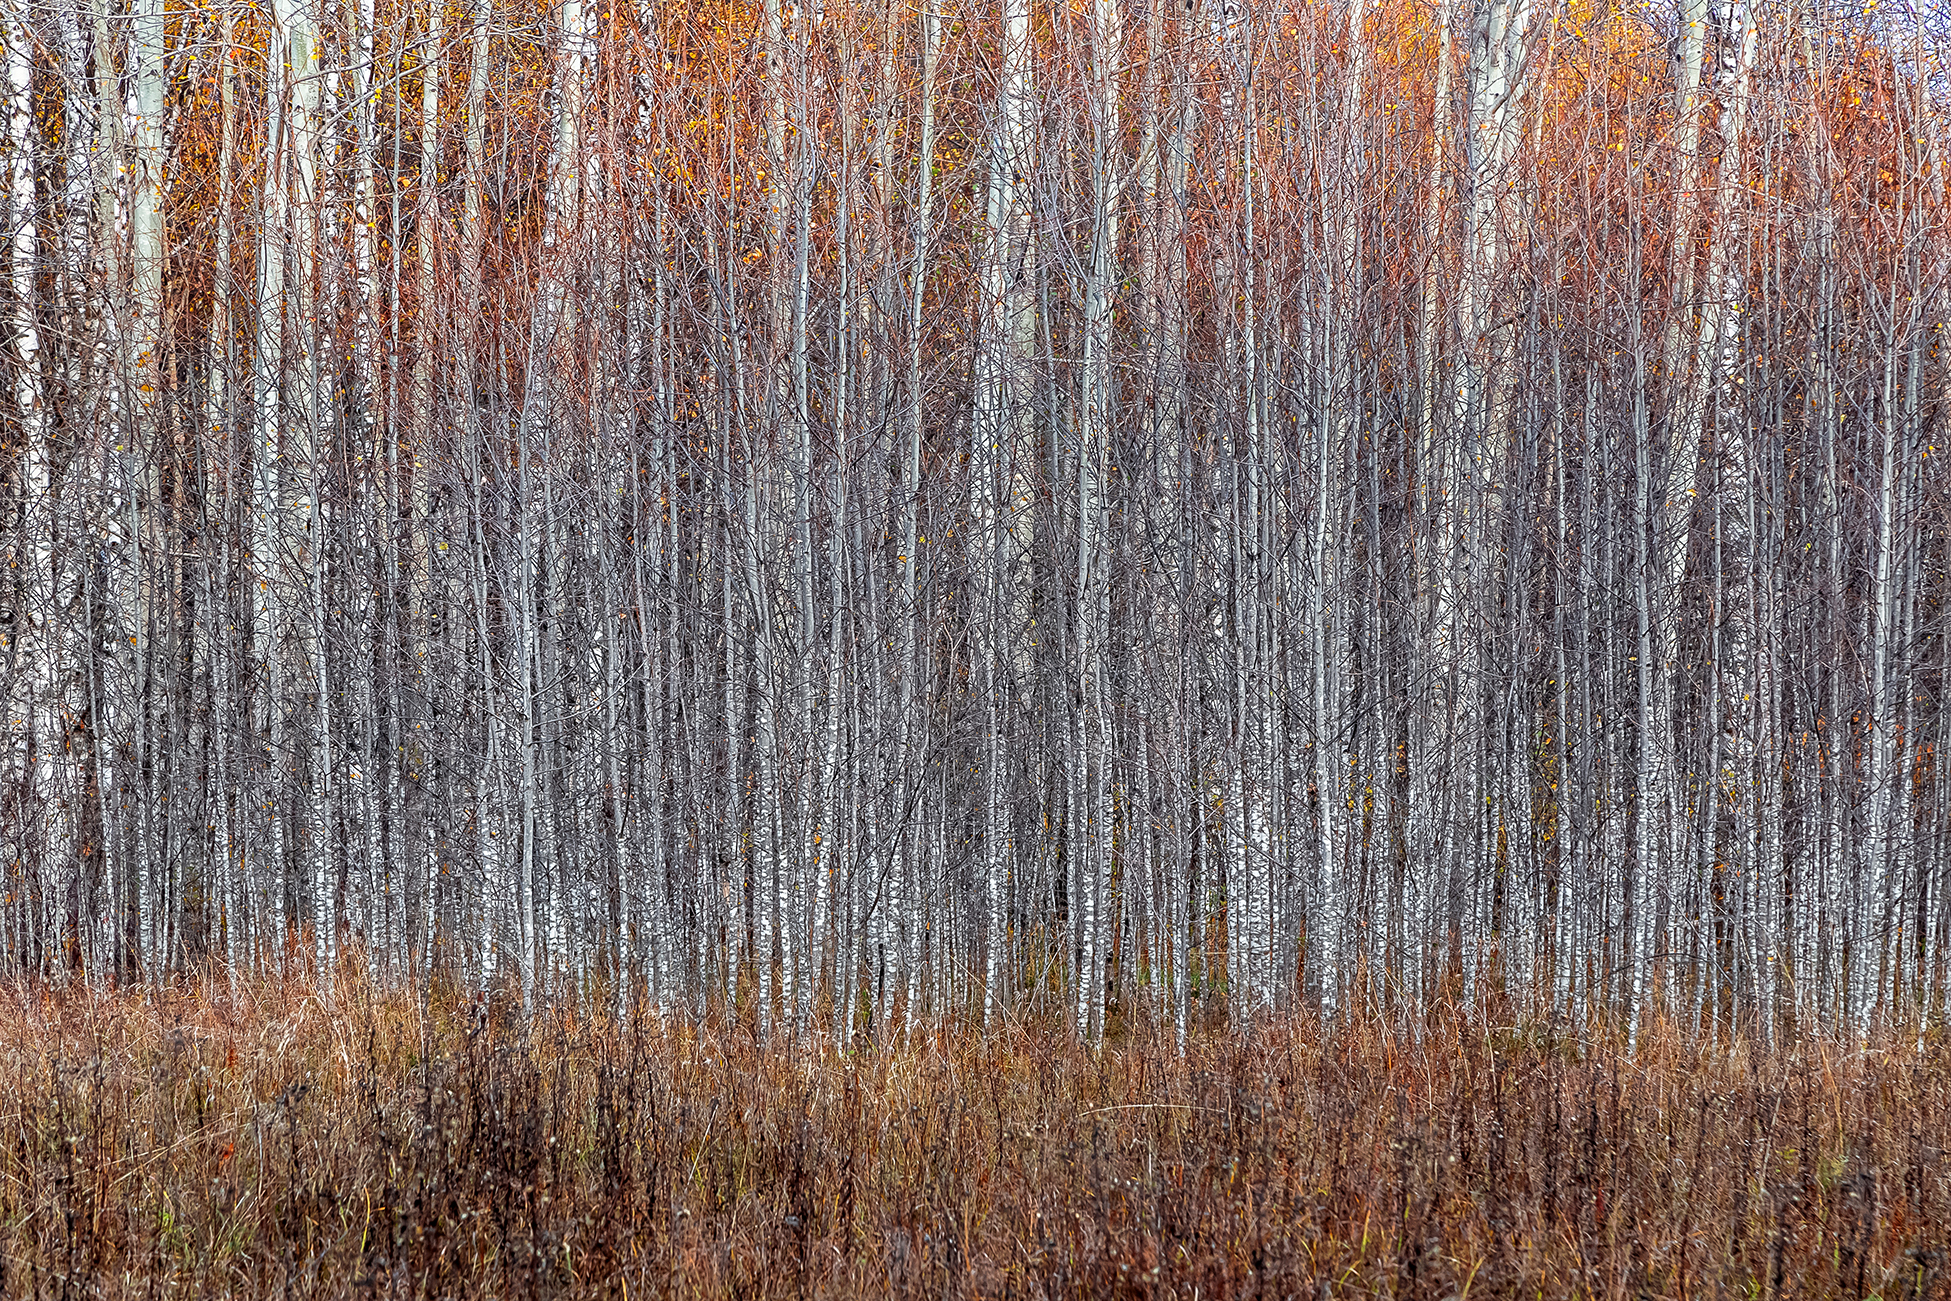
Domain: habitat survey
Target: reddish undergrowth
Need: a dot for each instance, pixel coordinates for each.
(261, 1143)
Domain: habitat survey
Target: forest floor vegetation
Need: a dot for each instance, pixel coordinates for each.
(267, 1141)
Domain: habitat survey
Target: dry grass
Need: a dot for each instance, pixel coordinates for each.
(168, 1144)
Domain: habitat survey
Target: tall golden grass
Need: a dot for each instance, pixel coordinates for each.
(213, 1141)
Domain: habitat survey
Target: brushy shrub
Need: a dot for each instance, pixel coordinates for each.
(258, 1141)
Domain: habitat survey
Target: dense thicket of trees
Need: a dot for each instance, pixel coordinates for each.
(888, 510)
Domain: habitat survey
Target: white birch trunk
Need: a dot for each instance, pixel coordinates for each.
(1093, 469)
(999, 436)
(34, 651)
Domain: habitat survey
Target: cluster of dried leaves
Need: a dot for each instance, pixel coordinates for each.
(225, 1142)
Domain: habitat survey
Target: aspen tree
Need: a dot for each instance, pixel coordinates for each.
(795, 932)
(827, 837)
(1713, 357)
(1094, 555)
(414, 459)
(999, 433)
(1340, 406)
(490, 889)
(267, 477)
(220, 419)
(905, 753)
(1427, 829)
(33, 649)
(301, 532)
(1489, 209)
